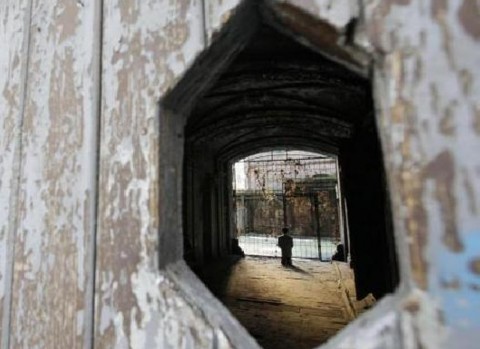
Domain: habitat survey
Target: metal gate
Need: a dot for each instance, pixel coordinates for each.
(297, 190)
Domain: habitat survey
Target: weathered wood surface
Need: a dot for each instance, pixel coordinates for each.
(52, 286)
(14, 17)
(427, 86)
(403, 321)
(428, 89)
(148, 46)
(429, 121)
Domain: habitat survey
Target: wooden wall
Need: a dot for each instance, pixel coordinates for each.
(52, 218)
(80, 85)
(14, 18)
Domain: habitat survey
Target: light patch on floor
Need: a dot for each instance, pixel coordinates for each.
(298, 307)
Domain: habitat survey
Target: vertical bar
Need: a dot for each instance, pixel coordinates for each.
(284, 200)
(317, 219)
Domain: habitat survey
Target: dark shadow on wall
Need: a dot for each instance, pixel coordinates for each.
(372, 247)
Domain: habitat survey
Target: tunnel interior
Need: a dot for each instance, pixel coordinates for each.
(276, 93)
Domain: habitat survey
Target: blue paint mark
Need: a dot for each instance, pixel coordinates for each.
(461, 303)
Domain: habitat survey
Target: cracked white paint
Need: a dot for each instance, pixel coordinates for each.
(150, 45)
(13, 46)
(427, 84)
(429, 125)
(52, 267)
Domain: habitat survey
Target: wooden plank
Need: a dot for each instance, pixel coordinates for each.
(148, 46)
(14, 45)
(53, 279)
(14, 16)
(429, 121)
(430, 125)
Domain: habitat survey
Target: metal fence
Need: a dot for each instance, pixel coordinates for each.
(295, 192)
(303, 246)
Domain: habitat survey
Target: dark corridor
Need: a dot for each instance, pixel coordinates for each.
(277, 93)
(272, 92)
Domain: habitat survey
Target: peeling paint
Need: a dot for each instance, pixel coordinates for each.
(438, 8)
(475, 265)
(426, 57)
(150, 46)
(67, 20)
(476, 119)
(52, 256)
(13, 46)
(469, 191)
(447, 123)
(441, 169)
(460, 303)
(469, 15)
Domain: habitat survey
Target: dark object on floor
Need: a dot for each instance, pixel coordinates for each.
(340, 254)
(236, 249)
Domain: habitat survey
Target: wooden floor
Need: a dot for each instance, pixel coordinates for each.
(299, 307)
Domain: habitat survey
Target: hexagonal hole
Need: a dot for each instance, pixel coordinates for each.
(259, 93)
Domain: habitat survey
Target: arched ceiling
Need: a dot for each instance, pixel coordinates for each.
(278, 93)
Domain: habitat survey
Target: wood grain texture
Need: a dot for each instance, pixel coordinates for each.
(427, 85)
(52, 287)
(148, 46)
(14, 16)
(429, 124)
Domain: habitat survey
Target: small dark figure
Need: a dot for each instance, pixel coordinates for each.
(236, 249)
(340, 254)
(285, 242)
